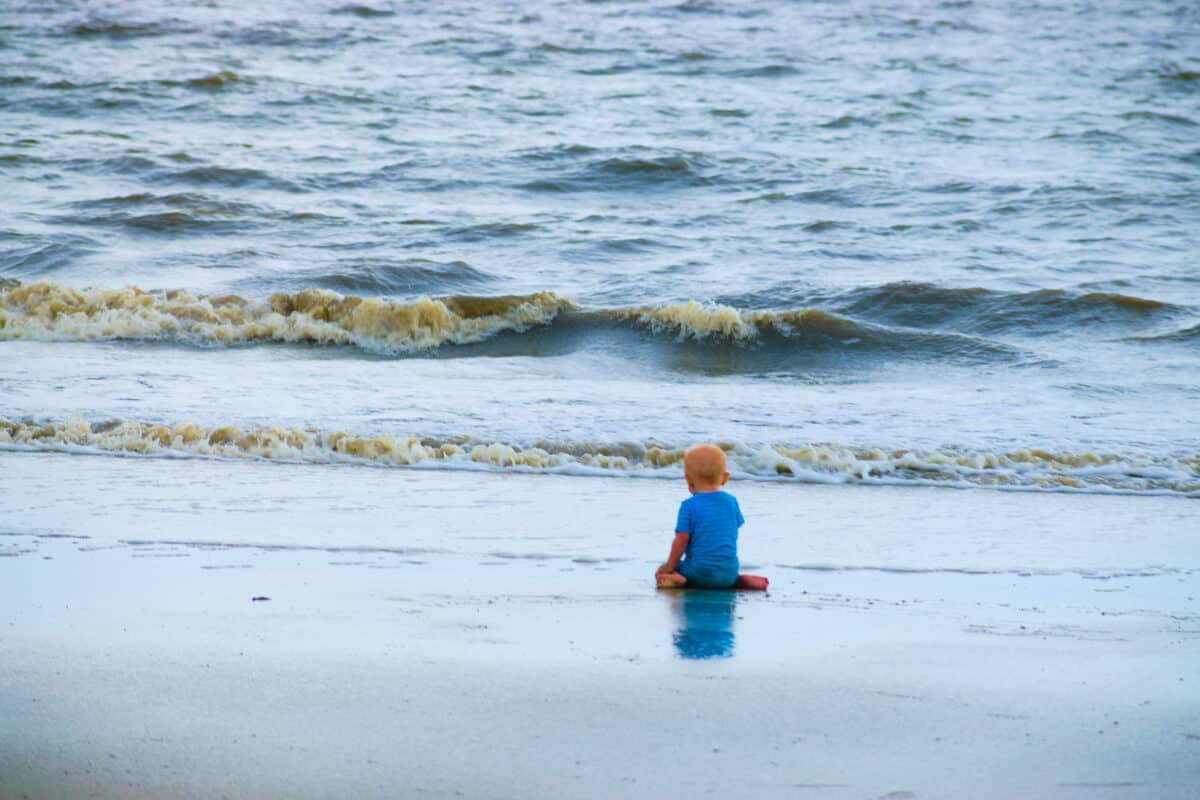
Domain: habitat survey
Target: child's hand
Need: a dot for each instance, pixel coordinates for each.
(662, 568)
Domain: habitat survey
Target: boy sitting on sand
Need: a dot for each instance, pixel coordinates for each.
(704, 552)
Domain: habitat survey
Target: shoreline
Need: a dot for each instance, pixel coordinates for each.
(530, 656)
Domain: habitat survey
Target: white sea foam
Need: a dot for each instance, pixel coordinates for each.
(817, 463)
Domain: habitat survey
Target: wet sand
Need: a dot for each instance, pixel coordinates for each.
(524, 658)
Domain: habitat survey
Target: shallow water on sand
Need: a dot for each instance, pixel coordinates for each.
(294, 630)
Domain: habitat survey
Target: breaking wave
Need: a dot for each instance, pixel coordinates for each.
(814, 326)
(52, 312)
(987, 311)
(48, 311)
(1029, 469)
(1185, 335)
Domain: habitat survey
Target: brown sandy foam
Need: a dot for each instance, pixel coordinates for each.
(50, 311)
(47, 310)
(1031, 468)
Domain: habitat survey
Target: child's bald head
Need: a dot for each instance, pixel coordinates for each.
(704, 467)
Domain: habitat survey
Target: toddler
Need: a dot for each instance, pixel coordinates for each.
(704, 552)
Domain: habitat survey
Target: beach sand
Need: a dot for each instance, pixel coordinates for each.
(482, 635)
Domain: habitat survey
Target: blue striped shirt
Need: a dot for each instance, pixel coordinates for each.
(711, 520)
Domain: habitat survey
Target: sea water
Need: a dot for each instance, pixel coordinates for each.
(854, 243)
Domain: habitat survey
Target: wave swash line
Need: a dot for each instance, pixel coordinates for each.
(817, 463)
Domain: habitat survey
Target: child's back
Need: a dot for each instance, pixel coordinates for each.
(711, 519)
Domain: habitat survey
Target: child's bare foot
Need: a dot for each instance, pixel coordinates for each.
(669, 580)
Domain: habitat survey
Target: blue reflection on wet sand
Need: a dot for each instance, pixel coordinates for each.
(705, 623)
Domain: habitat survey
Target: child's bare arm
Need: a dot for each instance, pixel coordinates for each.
(678, 546)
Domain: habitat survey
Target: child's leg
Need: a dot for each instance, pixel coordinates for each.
(751, 582)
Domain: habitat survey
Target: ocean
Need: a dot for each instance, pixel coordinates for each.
(863, 243)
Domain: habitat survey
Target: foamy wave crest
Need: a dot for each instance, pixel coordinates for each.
(49, 311)
(810, 328)
(692, 320)
(1033, 468)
